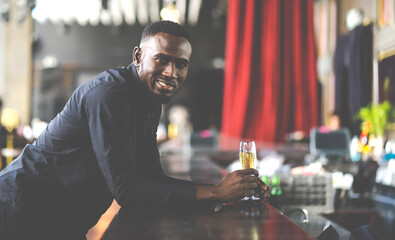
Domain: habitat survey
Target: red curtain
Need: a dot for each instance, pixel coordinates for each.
(270, 85)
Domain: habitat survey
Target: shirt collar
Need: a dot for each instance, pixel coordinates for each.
(144, 98)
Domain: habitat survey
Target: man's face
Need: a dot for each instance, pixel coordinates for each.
(162, 63)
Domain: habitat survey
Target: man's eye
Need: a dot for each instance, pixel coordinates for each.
(181, 65)
(162, 60)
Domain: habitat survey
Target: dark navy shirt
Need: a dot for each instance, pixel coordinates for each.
(100, 147)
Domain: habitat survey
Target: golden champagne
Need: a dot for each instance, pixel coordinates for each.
(247, 160)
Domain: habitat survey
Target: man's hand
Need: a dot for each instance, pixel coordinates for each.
(233, 187)
(236, 185)
(263, 191)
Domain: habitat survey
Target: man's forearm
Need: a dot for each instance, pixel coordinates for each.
(206, 192)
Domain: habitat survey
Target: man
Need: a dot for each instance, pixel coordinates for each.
(103, 146)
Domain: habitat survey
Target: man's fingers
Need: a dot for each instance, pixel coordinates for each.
(262, 184)
(265, 196)
(250, 171)
(260, 181)
(249, 192)
(252, 185)
(249, 178)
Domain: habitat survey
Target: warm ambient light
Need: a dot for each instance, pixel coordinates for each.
(170, 13)
(115, 12)
(10, 119)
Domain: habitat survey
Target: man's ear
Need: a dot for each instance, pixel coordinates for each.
(137, 56)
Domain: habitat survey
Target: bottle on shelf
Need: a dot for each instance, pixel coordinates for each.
(276, 192)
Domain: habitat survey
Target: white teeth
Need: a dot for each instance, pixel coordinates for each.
(164, 84)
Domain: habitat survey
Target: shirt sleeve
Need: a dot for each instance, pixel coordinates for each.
(110, 118)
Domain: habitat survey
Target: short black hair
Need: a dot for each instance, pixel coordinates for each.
(168, 27)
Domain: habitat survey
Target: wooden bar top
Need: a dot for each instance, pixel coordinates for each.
(246, 220)
(251, 220)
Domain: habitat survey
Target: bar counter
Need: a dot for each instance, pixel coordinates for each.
(246, 220)
(242, 220)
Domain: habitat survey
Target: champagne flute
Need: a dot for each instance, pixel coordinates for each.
(248, 159)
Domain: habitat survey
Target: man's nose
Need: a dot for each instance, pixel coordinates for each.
(170, 70)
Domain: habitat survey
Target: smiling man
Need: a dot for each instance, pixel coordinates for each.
(162, 63)
(103, 146)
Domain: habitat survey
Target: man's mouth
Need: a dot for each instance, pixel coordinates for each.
(165, 85)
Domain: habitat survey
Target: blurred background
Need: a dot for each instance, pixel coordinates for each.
(276, 71)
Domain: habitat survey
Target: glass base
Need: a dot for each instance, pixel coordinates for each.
(250, 198)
